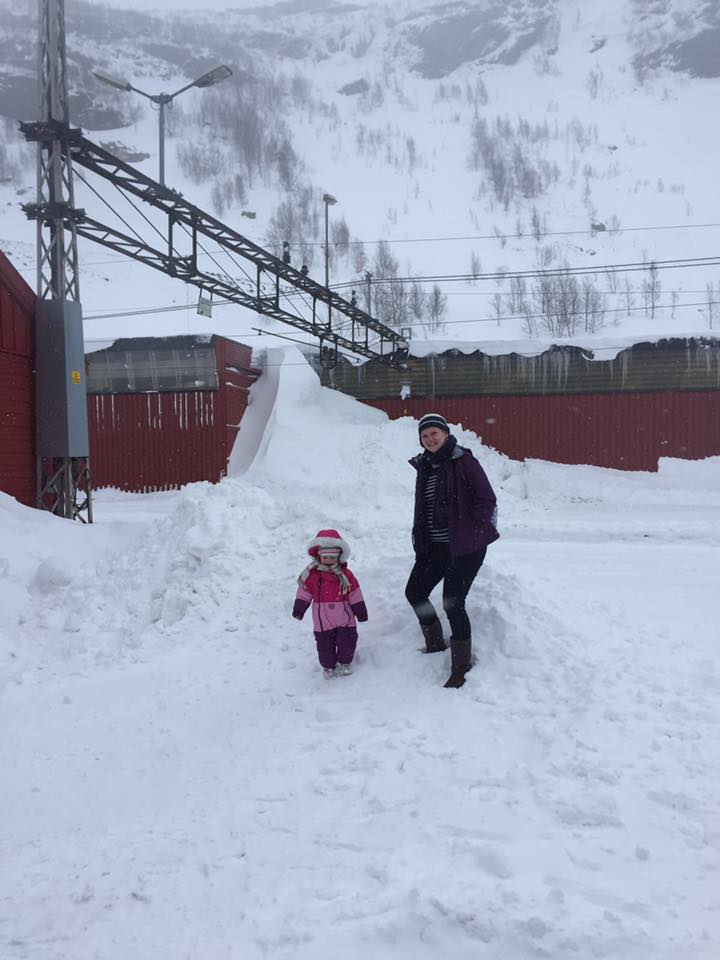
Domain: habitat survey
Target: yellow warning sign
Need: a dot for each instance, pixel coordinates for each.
(75, 376)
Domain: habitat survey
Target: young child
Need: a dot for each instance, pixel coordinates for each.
(332, 588)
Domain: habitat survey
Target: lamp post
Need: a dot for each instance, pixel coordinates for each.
(209, 79)
(329, 200)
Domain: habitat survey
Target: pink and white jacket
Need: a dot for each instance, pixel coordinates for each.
(330, 609)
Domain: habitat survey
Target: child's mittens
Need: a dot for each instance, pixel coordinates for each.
(299, 608)
(360, 611)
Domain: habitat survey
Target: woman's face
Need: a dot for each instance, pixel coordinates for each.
(432, 438)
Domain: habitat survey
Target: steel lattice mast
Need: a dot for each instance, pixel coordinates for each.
(62, 426)
(57, 247)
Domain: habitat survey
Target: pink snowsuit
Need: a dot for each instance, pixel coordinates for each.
(330, 609)
(333, 614)
(335, 603)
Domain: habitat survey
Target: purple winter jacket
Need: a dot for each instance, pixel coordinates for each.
(472, 505)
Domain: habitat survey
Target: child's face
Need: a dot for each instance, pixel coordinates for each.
(328, 558)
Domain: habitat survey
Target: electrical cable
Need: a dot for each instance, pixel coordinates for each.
(129, 200)
(632, 267)
(110, 207)
(150, 311)
(517, 236)
(493, 236)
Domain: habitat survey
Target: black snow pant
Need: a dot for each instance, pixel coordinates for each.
(457, 575)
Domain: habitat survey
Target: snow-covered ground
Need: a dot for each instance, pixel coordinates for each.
(180, 781)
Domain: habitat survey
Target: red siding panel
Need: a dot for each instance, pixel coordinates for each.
(16, 286)
(625, 431)
(17, 385)
(161, 441)
(154, 441)
(235, 375)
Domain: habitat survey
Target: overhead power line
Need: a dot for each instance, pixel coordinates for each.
(481, 236)
(611, 268)
(149, 311)
(541, 272)
(528, 235)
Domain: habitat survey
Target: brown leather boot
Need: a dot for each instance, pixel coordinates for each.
(455, 680)
(461, 662)
(434, 640)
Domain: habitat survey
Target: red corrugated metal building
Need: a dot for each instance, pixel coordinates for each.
(17, 385)
(165, 411)
(652, 400)
(623, 431)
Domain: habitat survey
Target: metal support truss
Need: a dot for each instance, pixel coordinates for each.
(57, 249)
(273, 288)
(62, 468)
(64, 487)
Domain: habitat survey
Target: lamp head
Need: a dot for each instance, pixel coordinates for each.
(216, 75)
(118, 84)
(329, 199)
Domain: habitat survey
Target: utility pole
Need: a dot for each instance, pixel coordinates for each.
(61, 401)
(329, 200)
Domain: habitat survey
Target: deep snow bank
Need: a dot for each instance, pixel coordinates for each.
(229, 553)
(185, 782)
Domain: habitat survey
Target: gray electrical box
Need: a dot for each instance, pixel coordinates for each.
(62, 420)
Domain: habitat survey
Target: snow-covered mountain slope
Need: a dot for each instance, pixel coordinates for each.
(472, 139)
(181, 780)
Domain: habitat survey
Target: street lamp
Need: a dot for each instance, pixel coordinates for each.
(208, 79)
(329, 200)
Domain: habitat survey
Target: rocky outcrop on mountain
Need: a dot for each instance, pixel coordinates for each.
(432, 39)
(686, 40)
(452, 35)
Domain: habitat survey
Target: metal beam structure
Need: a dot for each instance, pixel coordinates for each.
(273, 289)
(57, 264)
(63, 485)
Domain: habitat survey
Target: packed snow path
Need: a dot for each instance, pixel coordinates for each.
(185, 783)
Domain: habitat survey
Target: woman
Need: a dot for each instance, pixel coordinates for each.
(455, 511)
